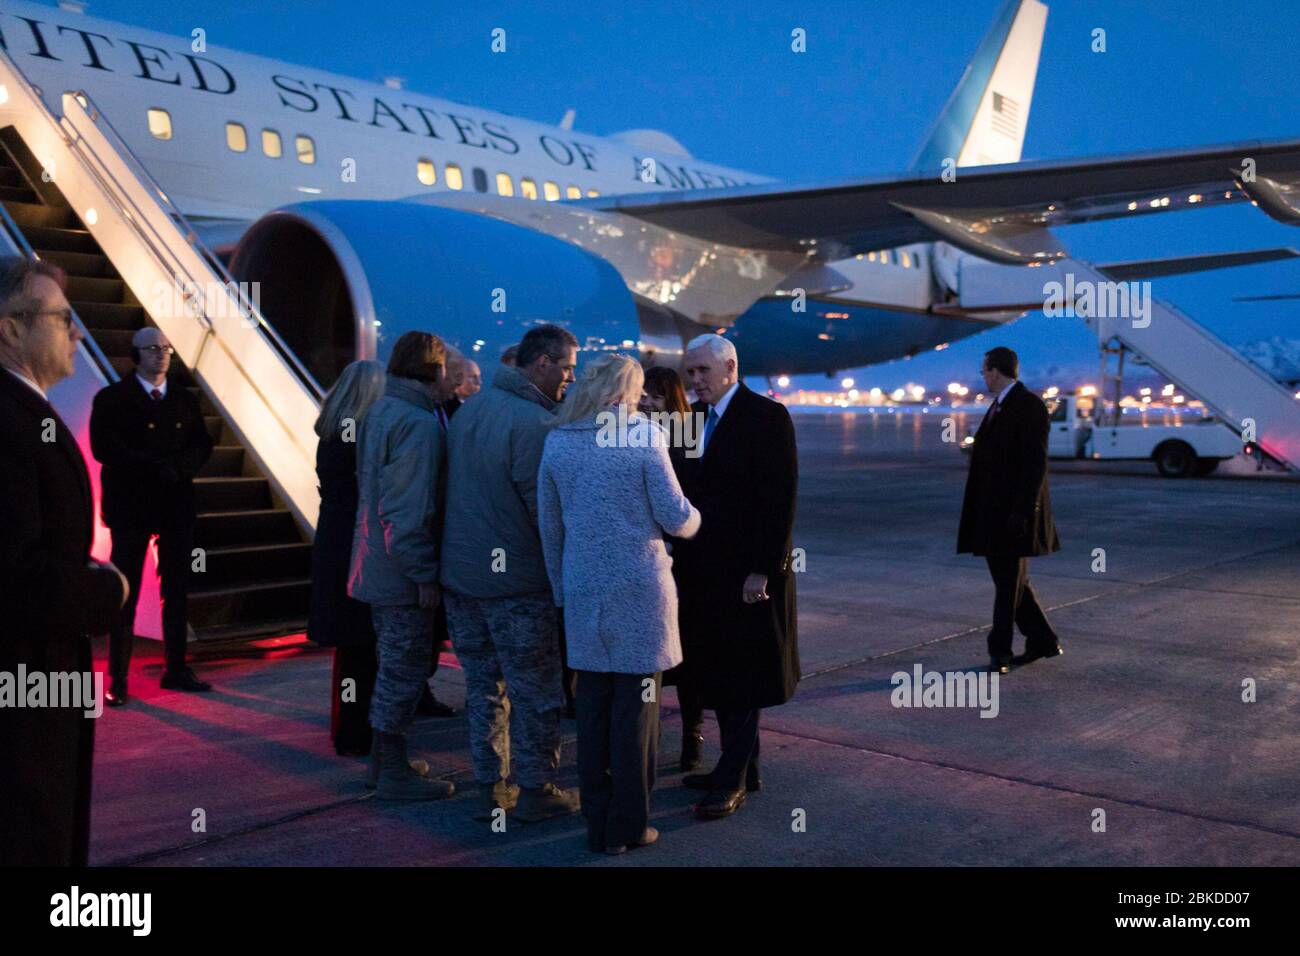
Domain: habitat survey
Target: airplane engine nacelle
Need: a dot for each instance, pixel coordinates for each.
(341, 280)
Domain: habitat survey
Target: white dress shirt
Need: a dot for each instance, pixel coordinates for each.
(150, 386)
(28, 382)
(720, 409)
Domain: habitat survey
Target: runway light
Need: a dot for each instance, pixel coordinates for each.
(846, 383)
(1088, 390)
(1167, 390)
(954, 388)
(898, 394)
(783, 381)
(1194, 197)
(91, 217)
(1053, 392)
(1144, 391)
(918, 392)
(853, 394)
(1132, 206)
(876, 393)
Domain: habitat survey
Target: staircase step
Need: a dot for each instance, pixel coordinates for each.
(216, 427)
(243, 493)
(110, 315)
(42, 238)
(91, 265)
(250, 629)
(219, 529)
(249, 564)
(215, 607)
(112, 342)
(83, 289)
(35, 214)
(225, 460)
(18, 194)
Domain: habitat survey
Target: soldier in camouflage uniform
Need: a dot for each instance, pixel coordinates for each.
(394, 566)
(503, 623)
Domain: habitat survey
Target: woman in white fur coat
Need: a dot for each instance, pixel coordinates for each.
(606, 496)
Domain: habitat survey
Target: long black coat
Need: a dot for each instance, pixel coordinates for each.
(150, 450)
(742, 656)
(1007, 511)
(336, 620)
(49, 601)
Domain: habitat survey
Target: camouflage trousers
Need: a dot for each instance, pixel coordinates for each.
(509, 650)
(405, 650)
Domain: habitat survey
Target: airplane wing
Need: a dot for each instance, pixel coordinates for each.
(1001, 212)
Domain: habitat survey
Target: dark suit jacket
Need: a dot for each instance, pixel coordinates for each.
(1007, 511)
(150, 450)
(49, 601)
(742, 656)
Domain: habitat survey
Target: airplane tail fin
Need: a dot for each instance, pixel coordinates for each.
(984, 121)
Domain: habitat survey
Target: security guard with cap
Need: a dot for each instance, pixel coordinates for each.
(151, 439)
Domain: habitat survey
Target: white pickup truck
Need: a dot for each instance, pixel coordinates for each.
(1191, 447)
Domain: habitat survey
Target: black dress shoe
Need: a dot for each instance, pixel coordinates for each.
(691, 745)
(430, 706)
(116, 696)
(184, 680)
(1000, 665)
(1032, 654)
(720, 803)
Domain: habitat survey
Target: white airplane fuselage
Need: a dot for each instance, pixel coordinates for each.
(173, 100)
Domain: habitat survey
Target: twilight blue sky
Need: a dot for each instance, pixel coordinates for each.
(721, 78)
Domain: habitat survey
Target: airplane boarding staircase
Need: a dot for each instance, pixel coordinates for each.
(73, 194)
(1234, 388)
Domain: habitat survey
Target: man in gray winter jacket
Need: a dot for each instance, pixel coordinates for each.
(502, 620)
(401, 451)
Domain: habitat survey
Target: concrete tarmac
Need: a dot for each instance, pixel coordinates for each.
(1140, 726)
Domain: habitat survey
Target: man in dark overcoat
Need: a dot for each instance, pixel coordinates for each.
(735, 583)
(52, 593)
(1006, 516)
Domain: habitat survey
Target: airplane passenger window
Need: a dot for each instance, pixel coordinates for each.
(528, 188)
(572, 192)
(480, 180)
(454, 178)
(884, 256)
(425, 173)
(593, 192)
(306, 149)
(551, 191)
(160, 124)
(236, 137)
(505, 185)
(271, 144)
(871, 257)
